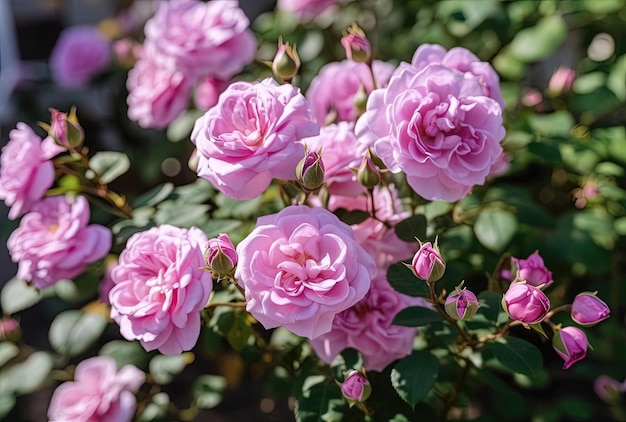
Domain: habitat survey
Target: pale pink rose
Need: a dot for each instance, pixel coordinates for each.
(500, 165)
(437, 127)
(207, 92)
(99, 393)
(79, 54)
(252, 135)
(332, 92)
(200, 38)
(300, 268)
(463, 60)
(26, 171)
(160, 288)
(305, 9)
(377, 238)
(533, 270)
(156, 96)
(54, 241)
(106, 284)
(367, 327)
(341, 152)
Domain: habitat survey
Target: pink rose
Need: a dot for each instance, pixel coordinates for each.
(356, 387)
(367, 327)
(156, 96)
(341, 152)
(332, 92)
(79, 54)
(160, 288)
(300, 268)
(208, 91)
(436, 126)
(462, 60)
(571, 344)
(427, 263)
(200, 38)
(533, 271)
(377, 238)
(54, 241)
(526, 303)
(251, 136)
(26, 171)
(588, 309)
(99, 392)
(305, 9)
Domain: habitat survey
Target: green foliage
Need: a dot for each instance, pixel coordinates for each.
(413, 376)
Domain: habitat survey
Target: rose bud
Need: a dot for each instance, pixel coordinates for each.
(310, 170)
(220, 255)
(571, 344)
(461, 304)
(356, 388)
(561, 81)
(526, 303)
(533, 271)
(356, 44)
(286, 62)
(65, 129)
(588, 309)
(427, 263)
(10, 330)
(368, 173)
(607, 388)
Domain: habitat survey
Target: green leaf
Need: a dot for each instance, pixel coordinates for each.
(78, 290)
(73, 332)
(550, 125)
(25, 377)
(347, 360)
(321, 400)
(411, 228)
(518, 355)
(208, 390)
(164, 368)
(417, 316)
(351, 217)
(414, 376)
(181, 127)
(495, 228)
(18, 295)
(154, 196)
(491, 307)
(7, 402)
(8, 351)
(404, 281)
(540, 41)
(125, 352)
(109, 165)
(156, 410)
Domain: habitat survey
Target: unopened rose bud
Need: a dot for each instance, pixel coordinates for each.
(356, 44)
(588, 309)
(310, 171)
(427, 263)
(220, 255)
(571, 344)
(360, 100)
(10, 330)
(286, 62)
(533, 271)
(368, 173)
(356, 388)
(526, 303)
(608, 389)
(561, 81)
(65, 129)
(461, 304)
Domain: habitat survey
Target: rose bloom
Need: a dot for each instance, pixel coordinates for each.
(99, 392)
(160, 288)
(341, 152)
(156, 96)
(251, 136)
(436, 126)
(332, 92)
(300, 268)
(305, 9)
(200, 38)
(26, 171)
(462, 60)
(367, 327)
(55, 242)
(533, 271)
(79, 54)
(526, 303)
(571, 344)
(378, 239)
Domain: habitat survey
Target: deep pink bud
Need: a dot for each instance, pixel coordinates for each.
(607, 388)
(571, 344)
(588, 309)
(65, 129)
(10, 330)
(356, 387)
(220, 255)
(533, 271)
(461, 304)
(561, 81)
(356, 44)
(428, 264)
(526, 303)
